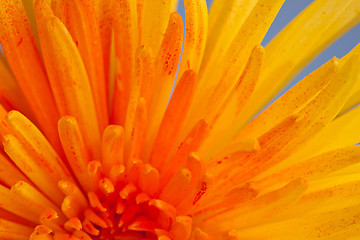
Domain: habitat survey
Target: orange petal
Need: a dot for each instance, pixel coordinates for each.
(138, 131)
(175, 115)
(166, 66)
(126, 43)
(10, 174)
(176, 189)
(112, 147)
(105, 12)
(11, 96)
(25, 61)
(14, 231)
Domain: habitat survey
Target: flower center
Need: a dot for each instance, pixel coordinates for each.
(126, 211)
(132, 202)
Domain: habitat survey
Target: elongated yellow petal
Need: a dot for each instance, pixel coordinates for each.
(293, 100)
(241, 166)
(335, 94)
(12, 203)
(143, 60)
(225, 20)
(35, 200)
(82, 23)
(314, 168)
(36, 143)
(340, 74)
(165, 71)
(249, 35)
(112, 147)
(76, 152)
(354, 99)
(260, 209)
(154, 21)
(69, 81)
(292, 49)
(342, 132)
(36, 169)
(326, 198)
(195, 35)
(105, 15)
(334, 224)
(226, 120)
(229, 68)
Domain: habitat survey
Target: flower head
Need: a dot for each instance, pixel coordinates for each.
(94, 149)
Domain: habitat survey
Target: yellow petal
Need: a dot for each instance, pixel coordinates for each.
(12, 203)
(36, 143)
(226, 120)
(225, 20)
(293, 100)
(195, 35)
(105, 15)
(76, 152)
(82, 23)
(112, 147)
(260, 209)
(314, 168)
(332, 225)
(141, 84)
(34, 200)
(69, 81)
(154, 21)
(354, 57)
(36, 169)
(239, 167)
(333, 95)
(307, 35)
(230, 66)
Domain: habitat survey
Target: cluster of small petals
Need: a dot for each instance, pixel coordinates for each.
(96, 143)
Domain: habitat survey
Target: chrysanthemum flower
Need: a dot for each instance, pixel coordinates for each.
(94, 149)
